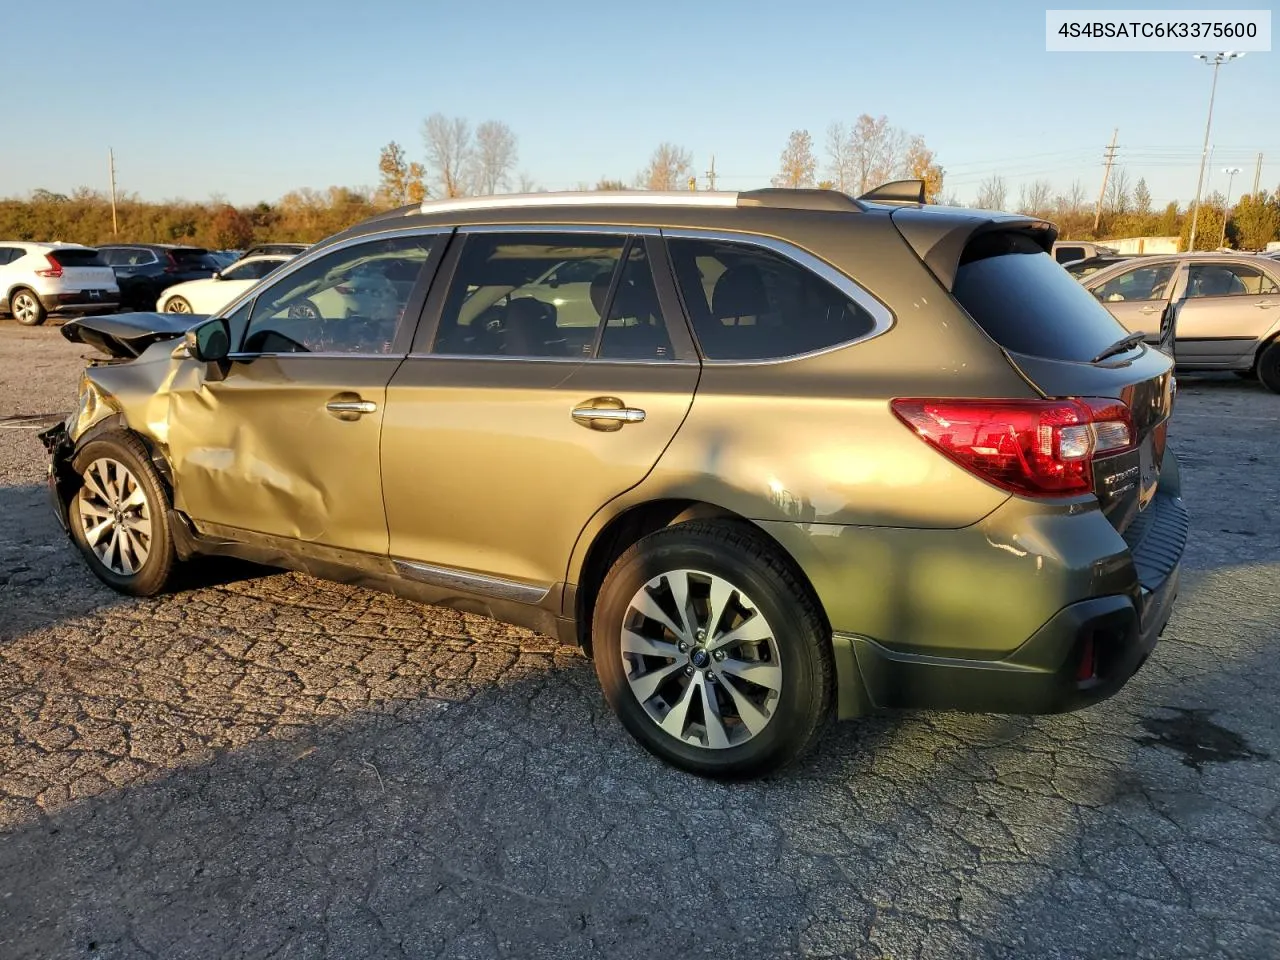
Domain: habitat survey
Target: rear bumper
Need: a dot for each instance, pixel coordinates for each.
(1085, 653)
(80, 302)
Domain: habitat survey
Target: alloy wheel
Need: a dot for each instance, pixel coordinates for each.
(701, 659)
(115, 516)
(25, 308)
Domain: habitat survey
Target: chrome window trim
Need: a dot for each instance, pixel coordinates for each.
(882, 317)
(319, 355)
(303, 259)
(455, 579)
(596, 361)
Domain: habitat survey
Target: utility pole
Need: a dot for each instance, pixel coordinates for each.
(1257, 174)
(111, 169)
(1216, 61)
(1226, 207)
(711, 174)
(1106, 175)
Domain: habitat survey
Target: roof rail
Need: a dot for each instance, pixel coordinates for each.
(799, 199)
(898, 191)
(584, 198)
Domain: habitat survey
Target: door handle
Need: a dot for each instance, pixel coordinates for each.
(351, 409)
(606, 413)
(1151, 309)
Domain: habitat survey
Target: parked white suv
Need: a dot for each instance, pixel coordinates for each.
(38, 279)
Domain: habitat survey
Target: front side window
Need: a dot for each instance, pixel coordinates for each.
(348, 301)
(528, 295)
(1141, 283)
(748, 303)
(1228, 280)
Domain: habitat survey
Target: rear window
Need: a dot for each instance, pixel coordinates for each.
(195, 259)
(1028, 304)
(77, 258)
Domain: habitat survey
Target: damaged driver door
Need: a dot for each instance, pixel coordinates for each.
(282, 439)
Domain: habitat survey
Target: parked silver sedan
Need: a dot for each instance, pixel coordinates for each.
(1228, 315)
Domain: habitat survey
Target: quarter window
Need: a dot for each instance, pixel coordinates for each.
(350, 301)
(1068, 254)
(1228, 280)
(528, 295)
(748, 303)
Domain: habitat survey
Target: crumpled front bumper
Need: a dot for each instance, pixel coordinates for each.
(61, 478)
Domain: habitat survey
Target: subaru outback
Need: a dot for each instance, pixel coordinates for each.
(815, 455)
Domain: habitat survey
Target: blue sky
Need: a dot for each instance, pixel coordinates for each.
(251, 99)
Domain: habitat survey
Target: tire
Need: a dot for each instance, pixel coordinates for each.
(790, 651)
(177, 305)
(27, 308)
(1268, 368)
(113, 468)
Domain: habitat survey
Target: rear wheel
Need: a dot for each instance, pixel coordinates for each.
(1269, 366)
(177, 305)
(711, 652)
(119, 516)
(27, 308)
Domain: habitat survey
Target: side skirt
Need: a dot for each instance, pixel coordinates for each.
(531, 606)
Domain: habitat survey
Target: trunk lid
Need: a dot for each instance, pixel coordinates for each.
(83, 269)
(1065, 343)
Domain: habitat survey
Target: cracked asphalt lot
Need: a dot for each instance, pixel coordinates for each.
(265, 765)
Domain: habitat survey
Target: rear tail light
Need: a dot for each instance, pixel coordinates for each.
(1037, 448)
(54, 268)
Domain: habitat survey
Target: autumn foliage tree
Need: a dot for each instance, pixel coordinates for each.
(401, 181)
(798, 164)
(669, 168)
(1256, 219)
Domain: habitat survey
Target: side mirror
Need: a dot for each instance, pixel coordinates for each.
(217, 275)
(210, 341)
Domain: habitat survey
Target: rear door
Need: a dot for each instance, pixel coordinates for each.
(1055, 346)
(1136, 295)
(511, 423)
(1230, 305)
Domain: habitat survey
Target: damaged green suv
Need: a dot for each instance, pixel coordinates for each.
(767, 457)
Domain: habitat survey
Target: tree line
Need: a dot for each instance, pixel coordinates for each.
(459, 159)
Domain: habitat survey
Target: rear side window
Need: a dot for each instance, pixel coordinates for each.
(1028, 304)
(749, 303)
(77, 258)
(1068, 254)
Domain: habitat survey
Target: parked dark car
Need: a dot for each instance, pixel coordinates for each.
(143, 270)
(275, 249)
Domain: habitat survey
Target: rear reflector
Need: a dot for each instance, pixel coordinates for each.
(1037, 448)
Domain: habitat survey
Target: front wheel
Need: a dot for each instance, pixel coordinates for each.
(119, 517)
(711, 652)
(27, 308)
(1269, 366)
(177, 305)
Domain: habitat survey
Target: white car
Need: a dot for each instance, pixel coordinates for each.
(211, 295)
(39, 279)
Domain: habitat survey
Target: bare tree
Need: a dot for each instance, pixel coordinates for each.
(449, 151)
(875, 149)
(493, 157)
(669, 168)
(798, 164)
(1118, 191)
(1036, 198)
(992, 194)
(526, 184)
(838, 166)
(606, 184)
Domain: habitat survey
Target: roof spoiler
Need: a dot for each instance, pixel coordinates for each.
(898, 191)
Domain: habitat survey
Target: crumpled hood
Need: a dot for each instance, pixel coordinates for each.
(127, 335)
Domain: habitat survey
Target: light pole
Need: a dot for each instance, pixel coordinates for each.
(1226, 209)
(1217, 60)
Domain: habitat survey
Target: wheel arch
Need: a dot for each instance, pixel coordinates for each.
(608, 537)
